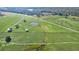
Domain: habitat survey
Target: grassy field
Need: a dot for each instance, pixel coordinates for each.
(56, 33)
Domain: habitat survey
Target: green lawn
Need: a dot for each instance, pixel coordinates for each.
(51, 33)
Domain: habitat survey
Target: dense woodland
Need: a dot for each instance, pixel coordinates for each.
(38, 10)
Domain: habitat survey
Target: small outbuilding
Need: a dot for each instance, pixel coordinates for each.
(27, 30)
(34, 24)
(9, 29)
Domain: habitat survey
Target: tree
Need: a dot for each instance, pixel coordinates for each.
(60, 14)
(17, 26)
(24, 20)
(66, 16)
(8, 39)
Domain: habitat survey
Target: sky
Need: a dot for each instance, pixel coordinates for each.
(39, 3)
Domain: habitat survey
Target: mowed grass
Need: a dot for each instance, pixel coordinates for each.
(69, 22)
(51, 33)
(7, 21)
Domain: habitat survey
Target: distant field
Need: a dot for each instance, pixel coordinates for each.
(49, 33)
